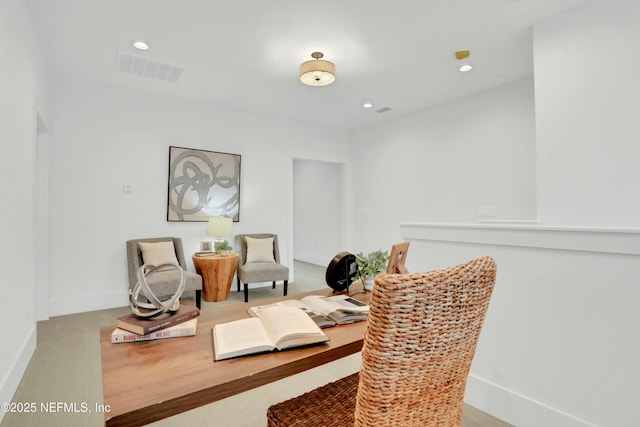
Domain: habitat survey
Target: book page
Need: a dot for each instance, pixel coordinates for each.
(294, 303)
(257, 310)
(338, 308)
(346, 303)
(328, 305)
(320, 319)
(240, 337)
(319, 304)
(290, 326)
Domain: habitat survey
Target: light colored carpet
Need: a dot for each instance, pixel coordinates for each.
(65, 369)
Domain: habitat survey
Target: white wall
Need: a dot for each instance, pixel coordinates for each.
(586, 73)
(558, 347)
(318, 210)
(106, 137)
(441, 164)
(23, 87)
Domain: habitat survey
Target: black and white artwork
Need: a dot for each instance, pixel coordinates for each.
(203, 184)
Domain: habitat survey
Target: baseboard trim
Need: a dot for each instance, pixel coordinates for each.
(17, 369)
(312, 259)
(515, 408)
(82, 303)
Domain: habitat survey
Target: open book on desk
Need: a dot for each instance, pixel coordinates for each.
(276, 328)
(325, 311)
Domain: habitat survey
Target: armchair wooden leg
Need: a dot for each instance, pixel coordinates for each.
(286, 282)
(238, 281)
(246, 292)
(198, 299)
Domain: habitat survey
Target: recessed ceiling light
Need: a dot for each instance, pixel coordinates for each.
(465, 68)
(367, 105)
(140, 45)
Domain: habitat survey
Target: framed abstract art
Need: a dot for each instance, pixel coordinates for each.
(203, 184)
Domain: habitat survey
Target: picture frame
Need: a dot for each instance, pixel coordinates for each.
(397, 258)
(203, 183)
(206, 246)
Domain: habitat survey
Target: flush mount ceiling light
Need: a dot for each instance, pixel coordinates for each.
(463, 56)
(317, 72)
(367, 105)
(140, 45)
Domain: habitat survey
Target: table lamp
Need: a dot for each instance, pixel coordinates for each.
(220, 226)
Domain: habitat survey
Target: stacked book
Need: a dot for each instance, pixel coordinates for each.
(131, 328)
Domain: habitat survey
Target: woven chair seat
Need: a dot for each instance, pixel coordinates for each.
(338, 402)
(422, 332)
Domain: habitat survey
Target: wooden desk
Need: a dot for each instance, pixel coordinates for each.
(151, 380)
(217, 274)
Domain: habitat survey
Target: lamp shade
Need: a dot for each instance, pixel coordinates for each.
(317, 72)
(219, 226)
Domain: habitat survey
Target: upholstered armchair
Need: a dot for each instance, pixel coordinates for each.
(157, 251)
(422, 332)
(259, 261)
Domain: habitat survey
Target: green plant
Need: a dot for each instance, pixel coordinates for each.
(373, 263)
(222, 246)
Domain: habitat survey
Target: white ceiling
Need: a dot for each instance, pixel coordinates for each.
(246, 53)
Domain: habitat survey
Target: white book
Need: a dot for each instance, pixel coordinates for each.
(277, 328)
(324, 310)
(184, 329)
(343, 303)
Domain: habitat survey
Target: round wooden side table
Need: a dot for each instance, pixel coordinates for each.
(217, 274)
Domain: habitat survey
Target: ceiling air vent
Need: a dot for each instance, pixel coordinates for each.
(148, 67)
(383, 110)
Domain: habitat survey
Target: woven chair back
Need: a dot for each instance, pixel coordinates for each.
(422, 333)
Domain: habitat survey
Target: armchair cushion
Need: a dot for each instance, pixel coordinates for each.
(262, 272)
(165, 283)
(260, 250)
(158, 253)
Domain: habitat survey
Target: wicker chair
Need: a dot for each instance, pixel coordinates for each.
(421, 337)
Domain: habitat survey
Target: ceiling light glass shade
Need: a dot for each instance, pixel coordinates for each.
(317, 72)
(466, 67)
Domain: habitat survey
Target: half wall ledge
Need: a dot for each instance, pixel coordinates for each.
(603, 240)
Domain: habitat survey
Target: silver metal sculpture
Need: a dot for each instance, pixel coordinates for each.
(154, 306)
